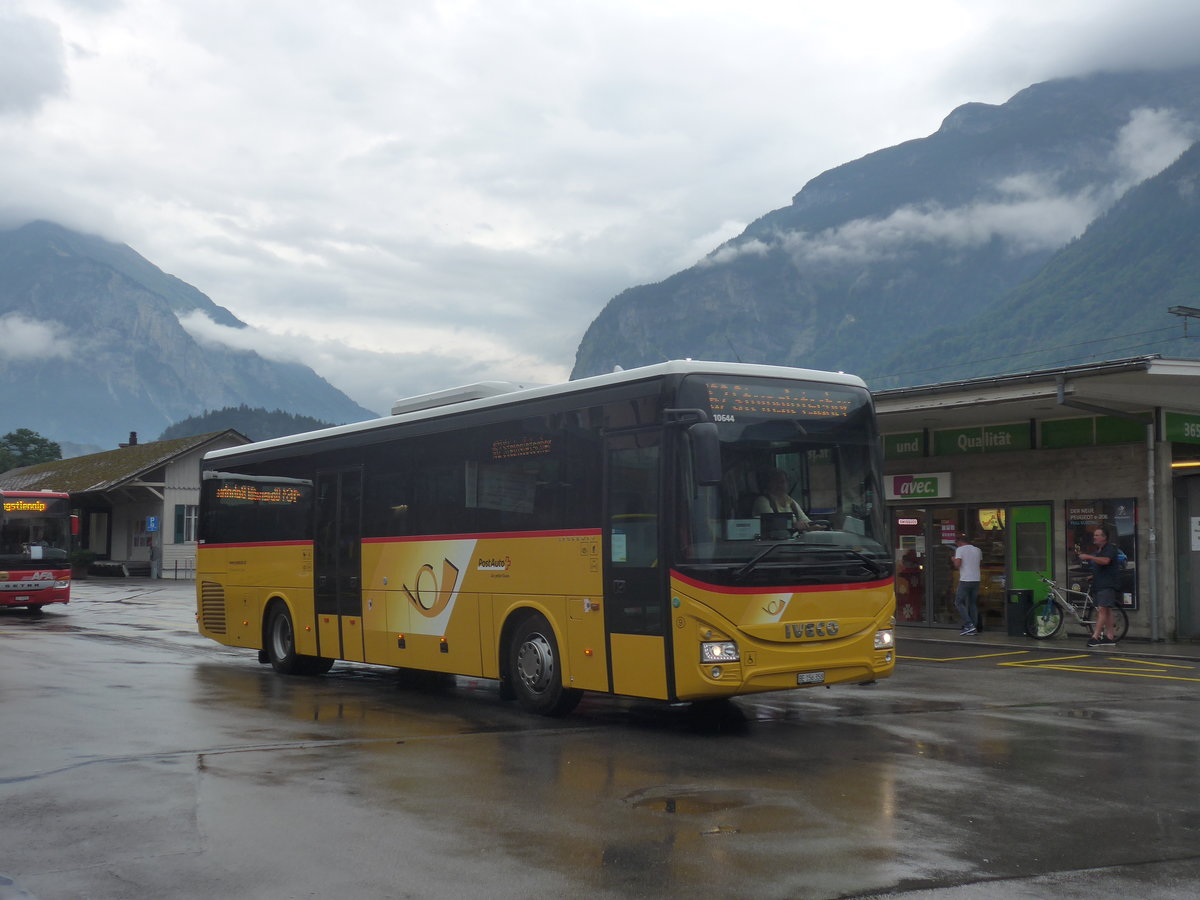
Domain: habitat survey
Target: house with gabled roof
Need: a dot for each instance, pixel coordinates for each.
(137, 504)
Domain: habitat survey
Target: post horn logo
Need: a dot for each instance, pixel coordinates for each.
(430, 598)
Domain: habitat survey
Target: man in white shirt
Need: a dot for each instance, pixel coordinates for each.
(966, 599)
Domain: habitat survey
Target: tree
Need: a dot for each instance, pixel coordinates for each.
(24, 447)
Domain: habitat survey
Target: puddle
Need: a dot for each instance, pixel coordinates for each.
(686, 802)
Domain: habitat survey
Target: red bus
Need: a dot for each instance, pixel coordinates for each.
(35, 543)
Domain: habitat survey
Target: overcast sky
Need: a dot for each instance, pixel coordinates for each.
(412, 194)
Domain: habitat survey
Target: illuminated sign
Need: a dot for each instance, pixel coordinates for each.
(253, 494)
(25, 506)
(519, 448)
(770, 400)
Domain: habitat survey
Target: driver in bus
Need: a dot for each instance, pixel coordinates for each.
(777, 499)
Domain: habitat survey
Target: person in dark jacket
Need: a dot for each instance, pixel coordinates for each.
(1105, 586)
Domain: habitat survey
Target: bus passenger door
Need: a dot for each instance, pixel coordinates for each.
(634, 580)
(337, 564)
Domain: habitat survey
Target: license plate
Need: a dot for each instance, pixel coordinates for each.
(810, 678)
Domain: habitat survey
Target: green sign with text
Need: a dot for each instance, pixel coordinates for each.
(909, 445)
(1182, 428)
(985, 439)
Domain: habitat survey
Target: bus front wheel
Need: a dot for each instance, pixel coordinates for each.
(535, 669)
(281, 646)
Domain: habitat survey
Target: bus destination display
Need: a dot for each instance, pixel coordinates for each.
(726, 399)
(255, 494)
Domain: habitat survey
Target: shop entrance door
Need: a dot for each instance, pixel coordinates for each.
(1187, 539)
(1016, 546)
(912, 561)
(1029, 561)
(945, 524)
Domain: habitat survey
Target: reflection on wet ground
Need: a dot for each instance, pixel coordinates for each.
(226, 779)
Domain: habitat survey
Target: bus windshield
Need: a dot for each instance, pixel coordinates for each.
(34, 529)
(798, 502)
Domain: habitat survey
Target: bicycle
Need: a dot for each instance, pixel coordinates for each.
(1046, 618)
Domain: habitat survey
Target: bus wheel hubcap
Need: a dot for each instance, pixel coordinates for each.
(283, 638)
(535, 663)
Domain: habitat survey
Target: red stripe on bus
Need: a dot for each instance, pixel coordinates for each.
(781, 589)
(483, 536)
(257, 544)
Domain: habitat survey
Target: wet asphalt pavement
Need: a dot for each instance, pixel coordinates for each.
(138, 760)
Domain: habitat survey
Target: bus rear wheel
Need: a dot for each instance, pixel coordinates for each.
(281, 646)
(535, 669)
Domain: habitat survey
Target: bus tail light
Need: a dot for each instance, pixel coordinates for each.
(719, 651)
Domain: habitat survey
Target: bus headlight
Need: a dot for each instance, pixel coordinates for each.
(885, 639)
(62, 583)
(719, 651)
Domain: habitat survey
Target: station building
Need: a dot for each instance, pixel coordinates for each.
(137, 504)
(1027, 465)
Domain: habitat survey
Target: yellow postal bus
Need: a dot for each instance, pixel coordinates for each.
(607, 534)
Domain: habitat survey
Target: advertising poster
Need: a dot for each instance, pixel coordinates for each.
(1121, 518)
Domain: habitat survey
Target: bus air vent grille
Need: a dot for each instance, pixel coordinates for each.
(212, 607)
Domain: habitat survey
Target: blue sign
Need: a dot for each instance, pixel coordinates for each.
(152, 523)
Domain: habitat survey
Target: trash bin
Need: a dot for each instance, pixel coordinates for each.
(1020, 602)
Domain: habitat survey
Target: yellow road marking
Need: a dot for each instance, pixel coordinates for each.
(1155, 663)
(1152, 668)
(1039, 662)
(961, 658)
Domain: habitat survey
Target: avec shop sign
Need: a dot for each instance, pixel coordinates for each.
(926, 486)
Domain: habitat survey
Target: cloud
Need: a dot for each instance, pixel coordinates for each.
(1024, 43)
(446, 187)
(1030, 215)
(32, 65)
(29, 339)
(1151, 141)
(732, 251)
(429, 360)
(1033, 218)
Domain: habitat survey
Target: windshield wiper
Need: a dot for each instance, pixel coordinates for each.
(757, 558)
(875, 566)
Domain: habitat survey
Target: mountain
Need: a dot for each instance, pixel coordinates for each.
(93, 347)
(1104, 295)
(934, 237)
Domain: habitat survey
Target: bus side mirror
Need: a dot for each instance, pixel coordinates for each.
(706, 453)
(75, 526)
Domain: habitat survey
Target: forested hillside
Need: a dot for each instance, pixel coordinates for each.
(1106, 295)
(255, 423)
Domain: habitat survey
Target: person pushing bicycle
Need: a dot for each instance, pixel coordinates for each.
(1105, 586)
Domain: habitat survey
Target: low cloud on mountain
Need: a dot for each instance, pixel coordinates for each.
(1031, 213)
(376, 378)
(27, 339)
